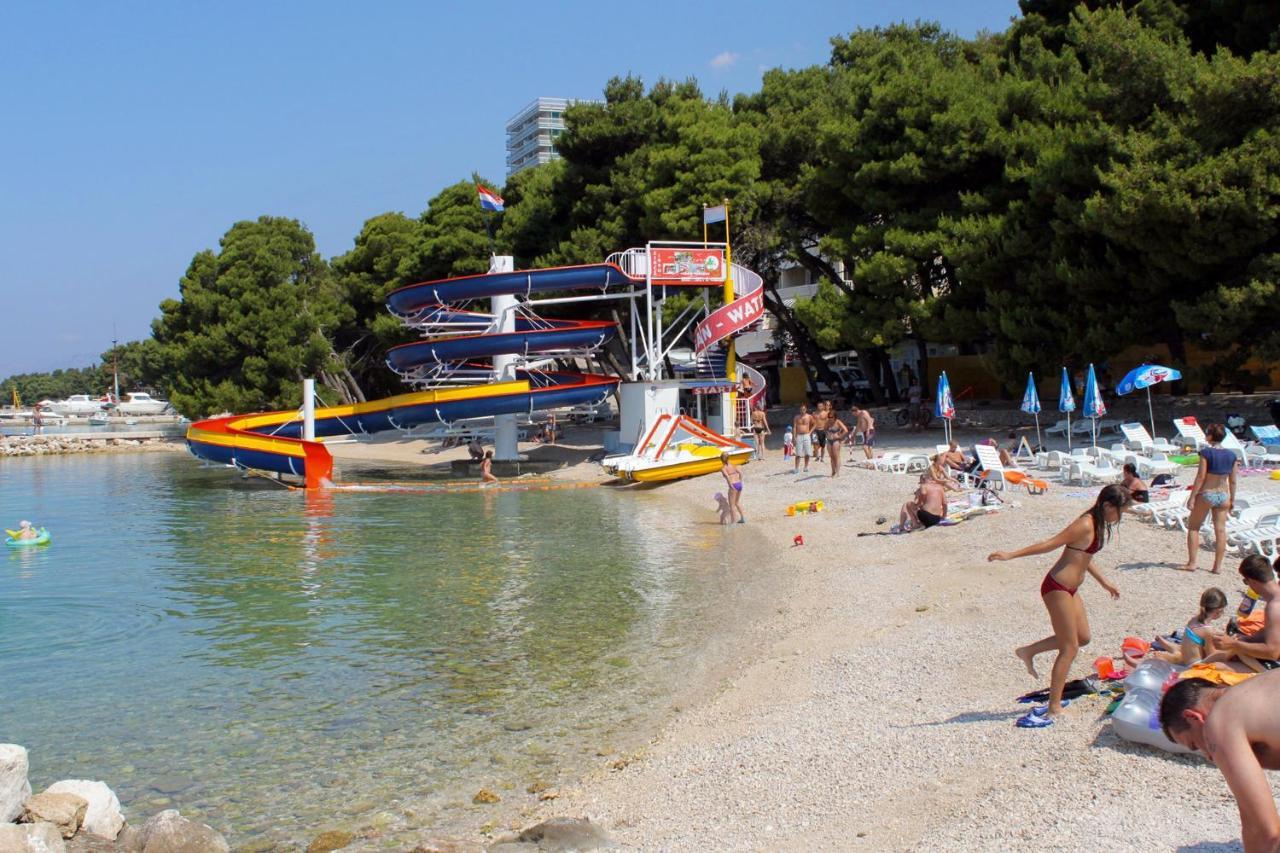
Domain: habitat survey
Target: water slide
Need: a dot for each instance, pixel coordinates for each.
(272, 441)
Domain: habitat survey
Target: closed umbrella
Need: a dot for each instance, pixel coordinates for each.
(1066, 403)
(1144, 377)
(1094, 407)
(943, 406)
(1031, 405)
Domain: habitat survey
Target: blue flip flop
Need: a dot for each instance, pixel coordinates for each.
(1032, 721)
(1041, 710)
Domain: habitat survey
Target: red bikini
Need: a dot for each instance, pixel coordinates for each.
(1050, 584)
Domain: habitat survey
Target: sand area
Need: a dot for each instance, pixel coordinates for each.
(870, 704)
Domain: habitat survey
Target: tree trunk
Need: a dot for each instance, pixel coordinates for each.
(806, 347)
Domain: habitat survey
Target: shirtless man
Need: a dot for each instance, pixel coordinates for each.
(1262, 652)
(954, 458)
(802, 426)
(820, 415)
(1237, 729)
(865, 424)
(926, 508)
(759, 428)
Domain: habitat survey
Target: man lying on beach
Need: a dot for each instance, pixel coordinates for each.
(1238, 729)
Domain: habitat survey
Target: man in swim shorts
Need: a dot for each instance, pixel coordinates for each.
(865, 424)
(1238, 729)
(820, 416)
(1263, 652)
(927, 508)
(802, 426)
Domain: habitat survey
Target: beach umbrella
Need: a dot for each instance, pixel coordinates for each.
(1031, 404)
(1094, 408)
(1145, 376)
(1066, 403)
(943, 406)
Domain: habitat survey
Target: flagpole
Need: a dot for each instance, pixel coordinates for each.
(704, 225)
(493, 251)
(730, 362)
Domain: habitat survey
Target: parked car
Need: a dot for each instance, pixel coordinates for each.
(853, 384)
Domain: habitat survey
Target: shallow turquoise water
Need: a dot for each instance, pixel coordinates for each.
(279, 665)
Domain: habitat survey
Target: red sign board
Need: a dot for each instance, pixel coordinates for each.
(687, 266)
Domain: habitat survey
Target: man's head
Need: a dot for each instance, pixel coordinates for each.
(1184, 710)
(952, 446)
(804, 410)
(855, 411)
(23, 525)
(1256, 571)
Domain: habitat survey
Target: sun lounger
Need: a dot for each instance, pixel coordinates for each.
(1060, 428)
(1261, 540)
(1137, 438)
(1189, 431)
(995, 474)
(1156, 511)
(1086, 473)
(901, 463)
(1151, 466)
(1268, 436)
(1251, 455)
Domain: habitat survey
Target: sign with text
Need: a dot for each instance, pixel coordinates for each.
(687, 266)
(728, 320)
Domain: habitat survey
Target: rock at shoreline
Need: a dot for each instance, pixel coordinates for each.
(103, 818)
(557, 835)
(330, 839)
(14, 787)
(485, 797)
(65, 811)
(31, 838)
(447, 845)
(170, 832)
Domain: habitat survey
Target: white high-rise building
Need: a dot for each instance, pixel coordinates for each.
(532, 132)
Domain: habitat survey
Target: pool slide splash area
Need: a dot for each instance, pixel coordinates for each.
(273, 442)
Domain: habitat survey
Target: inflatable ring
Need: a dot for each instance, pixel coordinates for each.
(12, 541)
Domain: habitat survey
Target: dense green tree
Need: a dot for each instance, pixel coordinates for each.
(251, 322)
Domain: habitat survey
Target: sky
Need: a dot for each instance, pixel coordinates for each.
(133, 135)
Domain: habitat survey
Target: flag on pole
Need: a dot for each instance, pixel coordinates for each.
(489, 200)
(714, 214)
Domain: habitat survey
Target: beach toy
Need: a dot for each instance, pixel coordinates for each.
(1275, 475)
(13, 541)
(806, 506)
(1149, 675)
(1104, 666)
(1137, 717)
(1135, 646)
(798, 541)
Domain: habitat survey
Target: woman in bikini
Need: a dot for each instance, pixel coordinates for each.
(1214, 491)
(733, 477)
(836, 432)
(1079, 541)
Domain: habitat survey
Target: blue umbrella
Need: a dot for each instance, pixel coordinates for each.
(1094, 407)
(1066, 402)
(943, 406)
(1145, 376)
(1031, 403)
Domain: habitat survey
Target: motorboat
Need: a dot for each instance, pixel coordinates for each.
(674, 448)
(77, 405)
(139, 403)
(99, 419)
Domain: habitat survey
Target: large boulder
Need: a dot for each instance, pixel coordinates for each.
(103, 818)
(64, 811)
(170, 832)
(31, 838)
(14, 787)
(558, 835)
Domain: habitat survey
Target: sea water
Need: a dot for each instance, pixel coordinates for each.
(275, 664)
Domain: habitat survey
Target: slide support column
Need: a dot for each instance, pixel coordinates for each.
(504, 366)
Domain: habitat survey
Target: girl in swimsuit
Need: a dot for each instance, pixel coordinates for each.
(733, 477)
(1079, 541)
(836, 432)
(1214, 491)
(1138, 490)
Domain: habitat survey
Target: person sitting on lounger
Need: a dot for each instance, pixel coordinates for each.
(939, 472)
(1138, 490)
(1260, 653)
(954, 457)
(926, 508)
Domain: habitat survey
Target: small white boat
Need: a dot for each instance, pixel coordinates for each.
(138, 403)
(99, 419)
(15, 415)
(77, 405)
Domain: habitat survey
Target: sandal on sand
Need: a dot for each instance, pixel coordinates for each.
(1041, 710)
(1031, 721)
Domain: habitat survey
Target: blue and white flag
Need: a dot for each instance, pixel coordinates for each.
(1094, 407)
(1031, 397)
(490, 200)
(1066, 400)
(714, 214)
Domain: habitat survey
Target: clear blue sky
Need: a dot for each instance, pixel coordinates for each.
(133, 135)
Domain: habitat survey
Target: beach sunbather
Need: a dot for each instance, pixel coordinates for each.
(1258, 652)
(954, 458)
(1079, 541)
(1138, 490)
(1214, 491)
(1238, 729)
(1195, 640)
(926, 508)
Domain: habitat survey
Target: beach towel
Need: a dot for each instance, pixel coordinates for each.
(1216, 673)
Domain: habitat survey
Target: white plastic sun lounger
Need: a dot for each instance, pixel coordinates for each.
(1190, 432)
(1137, 438)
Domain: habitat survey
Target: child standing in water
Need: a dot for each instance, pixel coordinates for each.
(733, 477)
(486, 468)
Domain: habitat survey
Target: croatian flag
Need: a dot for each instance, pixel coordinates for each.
(489, 200)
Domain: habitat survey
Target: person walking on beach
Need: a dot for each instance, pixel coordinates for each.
(866, 425)
(1238, 729)
(1079, 541)
(802, 426)
(760, 429)
(486, 468)
(733, 476)
(836, 432)
(1214, 491)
